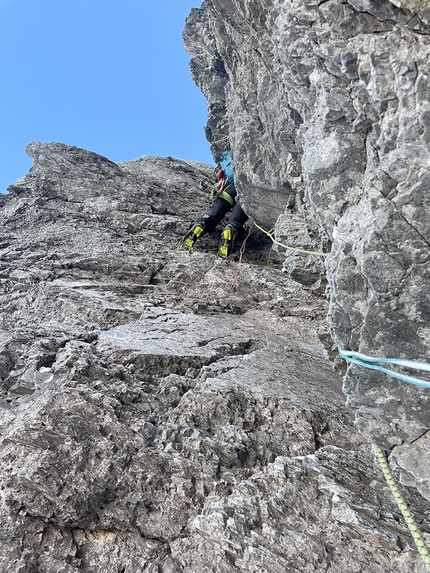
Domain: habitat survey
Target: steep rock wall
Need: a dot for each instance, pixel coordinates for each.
(326, 108)
(152, 420)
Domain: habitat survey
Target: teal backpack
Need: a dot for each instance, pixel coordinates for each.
(226, 166)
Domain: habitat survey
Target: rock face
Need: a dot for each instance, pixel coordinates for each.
(152, 418)
(325, 106)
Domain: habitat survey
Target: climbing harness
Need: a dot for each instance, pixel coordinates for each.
(410, 521)
(215, 191)
(303, 251)
(373, 364)
(227, 197)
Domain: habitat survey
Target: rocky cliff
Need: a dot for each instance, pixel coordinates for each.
(153, 419)
(169, 412)
(325, 105)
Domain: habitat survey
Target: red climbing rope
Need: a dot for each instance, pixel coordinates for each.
(241, 252)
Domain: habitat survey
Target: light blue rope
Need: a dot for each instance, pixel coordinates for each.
(372, 363)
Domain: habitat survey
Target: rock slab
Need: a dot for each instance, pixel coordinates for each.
(154, 420)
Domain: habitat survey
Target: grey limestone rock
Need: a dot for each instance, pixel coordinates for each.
(155, 420)
(327, 107)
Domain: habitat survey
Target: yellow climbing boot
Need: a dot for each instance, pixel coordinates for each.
(192, 236)
(227, 239)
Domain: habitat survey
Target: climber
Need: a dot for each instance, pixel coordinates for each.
(223, 195)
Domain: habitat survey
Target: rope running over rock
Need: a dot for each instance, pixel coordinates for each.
(241, 252)
(373, 363)
(295, 249)
(410, 521)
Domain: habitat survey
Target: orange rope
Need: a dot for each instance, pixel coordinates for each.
(242, 251)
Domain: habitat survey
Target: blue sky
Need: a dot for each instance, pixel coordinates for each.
(107, 75)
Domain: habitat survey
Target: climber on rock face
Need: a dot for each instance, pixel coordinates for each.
(223, 194)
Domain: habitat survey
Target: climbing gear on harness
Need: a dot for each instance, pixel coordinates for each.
(218, 190)
(227, 237)
(410, 521)
(193, 234)
(372, 363)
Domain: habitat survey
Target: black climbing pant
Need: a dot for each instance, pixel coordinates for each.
(218, 211)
